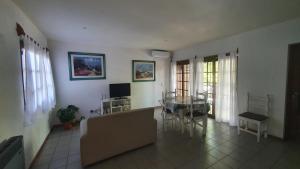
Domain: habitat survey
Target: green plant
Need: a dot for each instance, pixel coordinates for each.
(73, 108)
(66, 115)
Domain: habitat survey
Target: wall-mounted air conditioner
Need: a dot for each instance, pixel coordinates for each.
(160, 54)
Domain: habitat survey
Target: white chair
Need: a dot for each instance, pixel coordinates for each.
(166, 113)
(258, 109)
(198, 112)
(170, 94)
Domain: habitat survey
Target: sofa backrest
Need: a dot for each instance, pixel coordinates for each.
(122, 120)
(108, 135)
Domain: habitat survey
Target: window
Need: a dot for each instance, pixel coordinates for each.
(209, 81)
(182, 78)
(38, 85)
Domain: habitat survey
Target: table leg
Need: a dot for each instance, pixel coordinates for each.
(181, 120)
(191, 128)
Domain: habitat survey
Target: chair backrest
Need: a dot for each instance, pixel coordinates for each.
(170, 94)
(258, 104)
(163, 100)
(200, 96)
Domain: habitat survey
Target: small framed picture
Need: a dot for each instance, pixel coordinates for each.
(86, 66)
(143, 70)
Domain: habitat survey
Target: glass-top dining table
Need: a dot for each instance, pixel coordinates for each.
(181, 105)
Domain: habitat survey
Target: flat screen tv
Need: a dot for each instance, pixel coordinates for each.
(118, 90)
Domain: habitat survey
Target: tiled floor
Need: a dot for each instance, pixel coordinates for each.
(220, 149)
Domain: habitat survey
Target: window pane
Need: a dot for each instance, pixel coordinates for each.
(209, 75)
(205, 67)
(210, 65)
(182, 77)
(179, 77)
(188, 77)
(205, 77)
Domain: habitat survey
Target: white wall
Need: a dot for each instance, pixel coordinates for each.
(87, 93)
(11, 98)
(262, 63)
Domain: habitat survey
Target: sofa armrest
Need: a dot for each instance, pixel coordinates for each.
(83, 128)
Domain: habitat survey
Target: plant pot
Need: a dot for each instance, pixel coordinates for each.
(68, 126)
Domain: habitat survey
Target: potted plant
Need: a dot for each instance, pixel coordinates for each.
(67, 116)
(73, 108)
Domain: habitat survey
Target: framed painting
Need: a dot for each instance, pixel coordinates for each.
(143, 70)
(86, 66)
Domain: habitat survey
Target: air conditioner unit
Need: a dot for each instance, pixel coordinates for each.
(160, 54)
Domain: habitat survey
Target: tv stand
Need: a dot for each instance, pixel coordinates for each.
(119, 98)
(112, 105)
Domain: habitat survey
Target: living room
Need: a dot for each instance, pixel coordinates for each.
(223, 51)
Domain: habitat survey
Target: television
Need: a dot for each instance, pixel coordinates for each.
(119, 90)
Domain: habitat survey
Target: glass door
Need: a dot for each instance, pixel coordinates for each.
(210, 70)
(183, 78)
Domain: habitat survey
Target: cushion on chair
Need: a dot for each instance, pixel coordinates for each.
(168, 111)
(198, 110)
(253, 116)
(196, 113)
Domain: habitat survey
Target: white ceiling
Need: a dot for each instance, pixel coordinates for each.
(153, 24)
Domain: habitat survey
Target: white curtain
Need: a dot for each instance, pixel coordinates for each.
(39, 92)
(226, 90)
(173, 76)
(191, 77)
(198, 75)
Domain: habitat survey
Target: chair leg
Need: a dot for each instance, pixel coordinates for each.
(163, 120)
(266, 129)
(181, 120)
(204, 126)
(191, 128)
(238, 127)
(258, 131)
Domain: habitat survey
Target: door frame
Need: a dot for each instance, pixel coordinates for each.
(285, 137)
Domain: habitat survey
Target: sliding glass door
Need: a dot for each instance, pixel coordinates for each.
(210, 78)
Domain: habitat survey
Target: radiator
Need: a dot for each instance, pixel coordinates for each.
(12, 153)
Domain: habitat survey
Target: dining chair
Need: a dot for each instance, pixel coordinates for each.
(198, 112)
(171, 94)
(166, 113)
(258, 109)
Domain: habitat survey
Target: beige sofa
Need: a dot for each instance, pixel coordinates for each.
(109, 135)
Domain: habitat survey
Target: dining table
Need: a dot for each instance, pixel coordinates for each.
(180, 105)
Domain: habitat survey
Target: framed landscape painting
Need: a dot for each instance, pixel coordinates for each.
(143, 70)
(86, 66)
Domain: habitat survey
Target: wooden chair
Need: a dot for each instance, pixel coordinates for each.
(198, 113)
(166, 113)
(258, 109)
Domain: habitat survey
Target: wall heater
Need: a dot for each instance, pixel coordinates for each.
(12, 153)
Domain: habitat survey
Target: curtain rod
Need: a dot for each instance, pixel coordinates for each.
(21, 32)
(227, 53)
